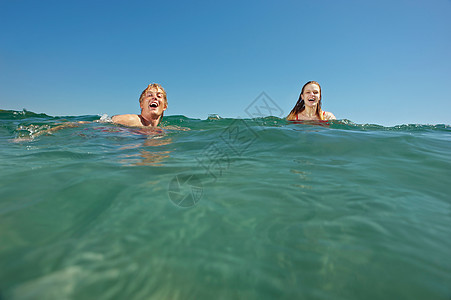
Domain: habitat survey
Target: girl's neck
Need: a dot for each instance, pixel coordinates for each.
(309, 111)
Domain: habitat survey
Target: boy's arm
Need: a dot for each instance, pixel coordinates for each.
(127, 120)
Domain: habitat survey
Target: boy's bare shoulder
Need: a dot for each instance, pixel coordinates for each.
(127, 120)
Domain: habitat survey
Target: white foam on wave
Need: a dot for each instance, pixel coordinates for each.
(105, 118)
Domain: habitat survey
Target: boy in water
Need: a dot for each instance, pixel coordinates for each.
(153, 103)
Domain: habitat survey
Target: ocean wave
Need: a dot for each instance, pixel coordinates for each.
(255, 208)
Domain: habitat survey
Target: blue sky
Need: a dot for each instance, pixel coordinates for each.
(381, 62)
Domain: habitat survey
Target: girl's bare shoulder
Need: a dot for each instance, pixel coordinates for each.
(329, 116)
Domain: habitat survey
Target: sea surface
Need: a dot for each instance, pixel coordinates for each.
(223, 209)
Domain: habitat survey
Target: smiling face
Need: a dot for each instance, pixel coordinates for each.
(153, 102)
(311, 94)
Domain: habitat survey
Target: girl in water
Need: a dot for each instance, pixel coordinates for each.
(308, 106)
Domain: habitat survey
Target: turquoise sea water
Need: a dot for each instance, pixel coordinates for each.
(223, 209)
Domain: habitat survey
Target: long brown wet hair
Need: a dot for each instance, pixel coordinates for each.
(300, 105)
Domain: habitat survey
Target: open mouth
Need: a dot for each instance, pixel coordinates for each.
(154, 104)
(311, 100)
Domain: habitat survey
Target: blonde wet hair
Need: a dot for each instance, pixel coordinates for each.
(157, 87)
(153, 86)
